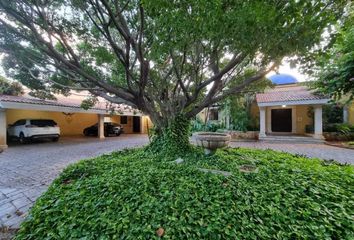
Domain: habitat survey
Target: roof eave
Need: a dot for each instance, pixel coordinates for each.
(51, 108)
(295, 102)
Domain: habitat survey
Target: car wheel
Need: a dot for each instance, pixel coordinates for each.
(56, 139)
(22, 138)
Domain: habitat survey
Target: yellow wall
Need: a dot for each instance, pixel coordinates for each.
(254, 110)
(351, 114)
(147, 124)
(302, 119)
(202, 115)
(69, 125)
(128, 128)
(76, 123)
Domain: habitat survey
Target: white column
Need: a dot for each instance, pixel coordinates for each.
(3, 127)
(318, 121)
(101, 126)
(262, 122)
(227, 121)
(345, 114)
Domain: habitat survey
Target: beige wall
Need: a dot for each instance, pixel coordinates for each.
(202, 114)
(351, 114)
(69, 124)
(146, 124)
(128, 128)
(302, 119)
(300, 113)
(3, 129)
(254, 110)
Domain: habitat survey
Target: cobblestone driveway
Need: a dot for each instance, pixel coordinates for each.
(27, 170)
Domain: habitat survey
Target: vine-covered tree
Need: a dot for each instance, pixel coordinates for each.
(169, 59)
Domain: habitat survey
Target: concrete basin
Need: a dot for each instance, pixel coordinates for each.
(211, 141)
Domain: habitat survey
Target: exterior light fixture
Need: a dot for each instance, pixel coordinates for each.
(283, 106)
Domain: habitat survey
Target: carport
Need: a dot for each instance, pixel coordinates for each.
(69, 115)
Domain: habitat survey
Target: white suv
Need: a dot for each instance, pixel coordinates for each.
(28, 129)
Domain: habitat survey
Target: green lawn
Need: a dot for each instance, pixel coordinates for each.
(132, 195)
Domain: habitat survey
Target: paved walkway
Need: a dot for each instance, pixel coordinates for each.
(27, 170)
(322, 151)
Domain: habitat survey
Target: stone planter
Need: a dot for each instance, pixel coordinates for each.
(337, 136)
(210, 141)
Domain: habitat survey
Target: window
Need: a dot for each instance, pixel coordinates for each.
(123, 120)
(43, 123)
(213, 114)
(20, 122)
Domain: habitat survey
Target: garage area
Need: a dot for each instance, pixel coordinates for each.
(69, 116)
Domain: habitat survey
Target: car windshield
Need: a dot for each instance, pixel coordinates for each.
(43, 123)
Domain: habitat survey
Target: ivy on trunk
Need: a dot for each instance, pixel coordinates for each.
(173, 138)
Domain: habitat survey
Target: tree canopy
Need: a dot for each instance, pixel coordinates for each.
(333, 63)
(10, 88)
(163, 57)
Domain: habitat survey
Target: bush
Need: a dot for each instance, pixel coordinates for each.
(343, 128)
(210, 126)
(134, 195)
(309, 129)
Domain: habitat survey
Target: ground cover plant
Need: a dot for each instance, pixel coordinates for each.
(138, 195)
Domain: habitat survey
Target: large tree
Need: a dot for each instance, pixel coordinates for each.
(170, 59)
(333, 62)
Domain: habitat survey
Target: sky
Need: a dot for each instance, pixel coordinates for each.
(295, 72)
(284, 68)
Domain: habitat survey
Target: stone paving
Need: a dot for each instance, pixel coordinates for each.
(311, 150)
(27, 170)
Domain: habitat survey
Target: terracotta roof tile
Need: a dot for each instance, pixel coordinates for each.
(287, 94)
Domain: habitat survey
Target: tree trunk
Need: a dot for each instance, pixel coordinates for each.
(172, 137)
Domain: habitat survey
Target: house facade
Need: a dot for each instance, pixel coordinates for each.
(286, 109)
(69, 115)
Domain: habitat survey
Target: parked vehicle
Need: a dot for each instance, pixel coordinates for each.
(109, 129)
(29, 129)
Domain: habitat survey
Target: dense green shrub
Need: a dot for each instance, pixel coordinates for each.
(341, 128)
(339, 132)
(198, 125)
(333, 113)
(332, 117)
(131, 194)
(309, 128)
